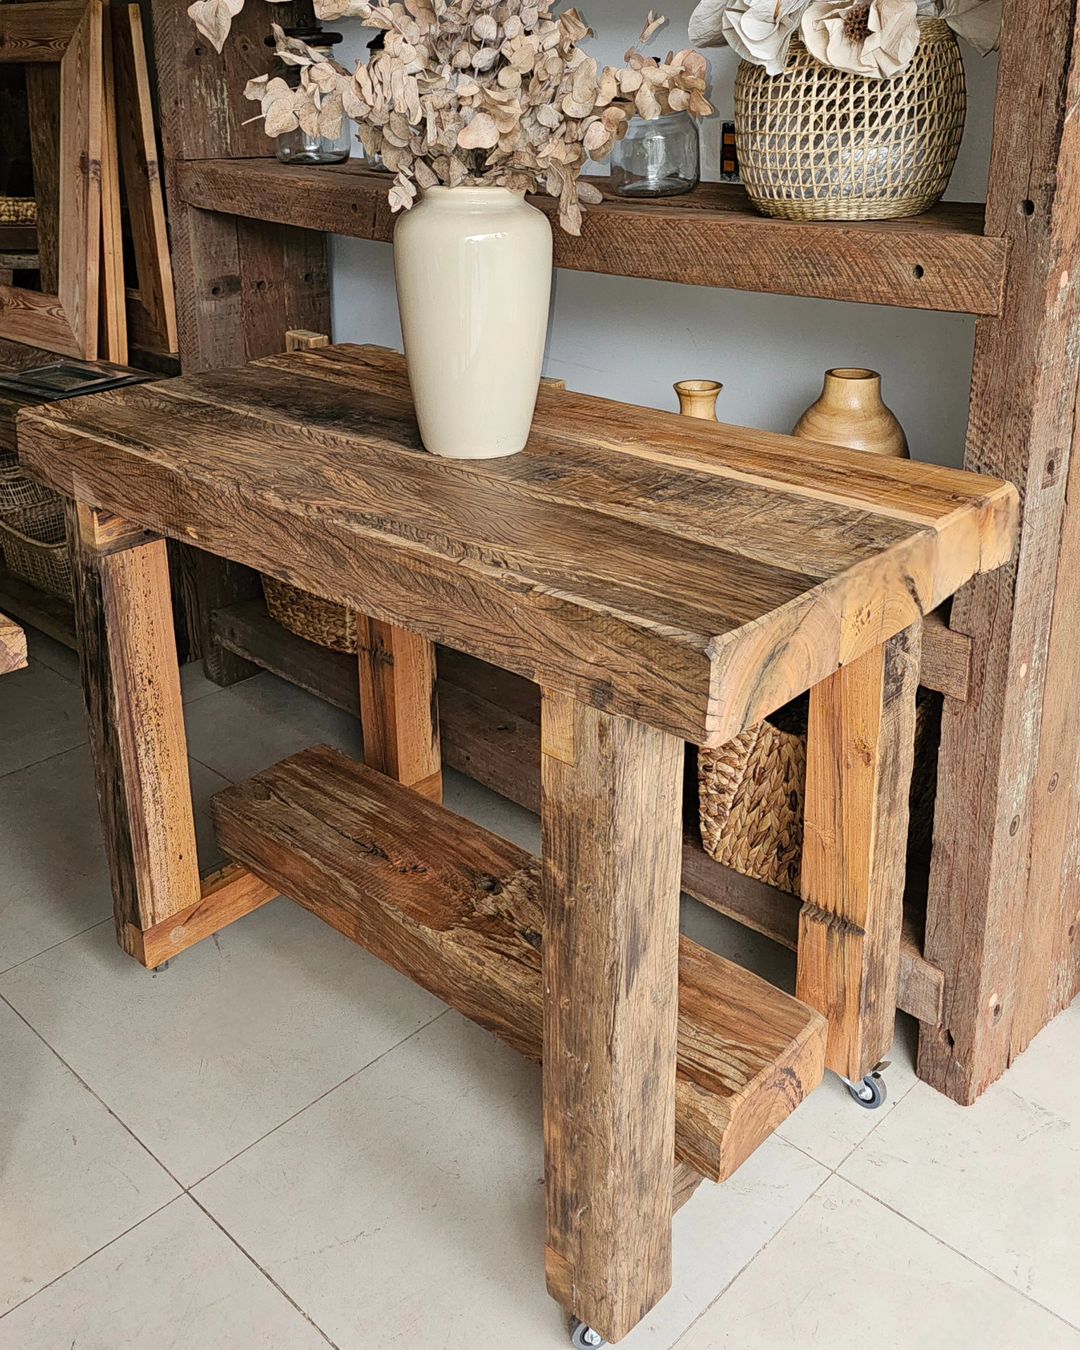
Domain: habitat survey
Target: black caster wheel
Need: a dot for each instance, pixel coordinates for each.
(583, 1337)
(870, 1093)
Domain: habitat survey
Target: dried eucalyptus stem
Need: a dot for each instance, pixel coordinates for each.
(473, 92)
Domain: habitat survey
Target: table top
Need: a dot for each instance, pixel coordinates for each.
(688, 574)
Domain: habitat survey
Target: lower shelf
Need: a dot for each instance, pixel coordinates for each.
(457, 909)
(49, 615)
(490, 731)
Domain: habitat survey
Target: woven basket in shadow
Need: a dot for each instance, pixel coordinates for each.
(324, 622)
(751, 792)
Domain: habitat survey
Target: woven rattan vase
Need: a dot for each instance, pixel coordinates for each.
(819, 144)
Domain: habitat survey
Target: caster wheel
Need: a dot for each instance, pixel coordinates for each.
(583, 1337)
(870, 1094)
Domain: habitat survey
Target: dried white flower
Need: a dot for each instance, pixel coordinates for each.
(976, 21)
(873, 38)
(759, 30)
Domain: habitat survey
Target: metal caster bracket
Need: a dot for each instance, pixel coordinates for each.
(871, 1093)
(583, 1337)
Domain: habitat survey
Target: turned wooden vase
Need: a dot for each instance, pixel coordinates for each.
(851, 412)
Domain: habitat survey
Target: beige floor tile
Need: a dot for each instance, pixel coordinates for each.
(175, 1281)
(246, 728)
(1048, 1072)
(41, 714)
(53, 879)
(997, 1181)
(406, 1208)
(71, 1177)
(238, 1034)
(846, 1271)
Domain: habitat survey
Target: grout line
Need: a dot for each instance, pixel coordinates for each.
(262, 1271)
(752, 1258)
(45, 759)
(52, 947)
(964, 1256)
(322, 1095)
(90, 1256)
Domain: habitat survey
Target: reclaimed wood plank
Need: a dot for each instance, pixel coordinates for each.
(860, 751)
(399, 708)
(710, 237)
(12, 646)
(227, 895)
(458, 910)
(702, 555)
(1004, 888)
(611, 816)
(131, 683)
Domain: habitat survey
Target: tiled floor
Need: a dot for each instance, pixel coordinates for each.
(278, 1144)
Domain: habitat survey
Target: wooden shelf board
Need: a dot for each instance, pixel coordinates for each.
(710, 237)
(490, 731)
(416, 886)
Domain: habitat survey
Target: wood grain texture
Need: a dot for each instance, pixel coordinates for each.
(1004, 889)
(690, 575)
(113, 340)
(710, 237)
(860, 752)
(458, 910)
(12, 646)
(48, 613)
(151, 300)
(399, 708)
(228, 894)
(131, 683)
(490, 730)
(611, 818)
(65, 322)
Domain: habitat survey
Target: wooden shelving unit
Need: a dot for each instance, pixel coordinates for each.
(1002, 941)
(710, 237)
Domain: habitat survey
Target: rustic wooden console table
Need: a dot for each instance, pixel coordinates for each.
(664, 581)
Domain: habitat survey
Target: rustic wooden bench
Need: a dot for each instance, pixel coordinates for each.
(663, 580)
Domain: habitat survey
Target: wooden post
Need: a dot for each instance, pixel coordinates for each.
(860, 749)
(1004, 888)
(399, 709)
(611, 814)
(131, 680)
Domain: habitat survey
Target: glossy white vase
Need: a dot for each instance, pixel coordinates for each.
(473, 267)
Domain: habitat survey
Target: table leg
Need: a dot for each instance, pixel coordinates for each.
(131, 680)
(611, 811)
(860, 751)
(398, 705)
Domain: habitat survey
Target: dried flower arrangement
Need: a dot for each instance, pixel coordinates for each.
(473, 92)
(873, 38)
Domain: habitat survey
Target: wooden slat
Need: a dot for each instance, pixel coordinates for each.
(38, 32)
(665, 568)
(710, 237)
(227, 895)
(457, 909)
(113, 344)
(47, 613)
(399, 706)
(151, 300)
(12, 646)
(132, 687)
(859, 755)
(611, 815)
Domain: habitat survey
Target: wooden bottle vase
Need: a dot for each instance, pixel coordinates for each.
(851, 412)
(697, 398)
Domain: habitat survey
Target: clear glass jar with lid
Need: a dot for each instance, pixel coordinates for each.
(298, 147)
(658, 158)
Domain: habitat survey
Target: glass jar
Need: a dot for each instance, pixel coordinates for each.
(298, 147)
(658, 158)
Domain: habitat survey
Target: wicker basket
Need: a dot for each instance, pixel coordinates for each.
(17, 491)
(323, 622)
(33, 541)
(750, 793)
(18, 211)
(820, 144)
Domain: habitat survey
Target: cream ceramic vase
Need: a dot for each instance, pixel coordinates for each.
(473, 268)
(851, 412)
